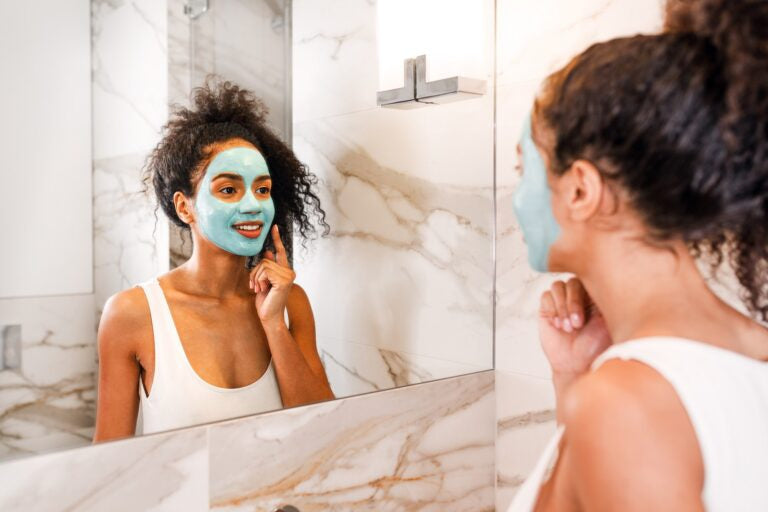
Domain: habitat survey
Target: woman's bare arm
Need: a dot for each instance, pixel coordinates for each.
(124, 320)
(300, 372)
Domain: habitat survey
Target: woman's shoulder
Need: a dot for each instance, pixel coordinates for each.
(298, 307)
(624, 386)
(125, 321)
(624, 422)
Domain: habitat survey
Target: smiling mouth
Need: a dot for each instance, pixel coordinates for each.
(249, 229)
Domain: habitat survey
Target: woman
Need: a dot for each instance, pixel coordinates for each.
(643, 154)
(209, 340)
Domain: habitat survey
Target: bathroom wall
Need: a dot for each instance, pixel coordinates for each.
(366, 453)
(49, 404)
(402, 286)
(46, 313)
(130, 98)
(533, 40)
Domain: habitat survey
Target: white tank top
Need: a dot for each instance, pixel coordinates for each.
(726, 397)
(179, 397)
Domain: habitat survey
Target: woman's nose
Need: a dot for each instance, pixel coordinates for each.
(249, 203)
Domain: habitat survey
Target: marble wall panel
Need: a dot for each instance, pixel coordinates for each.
(164, 472)
(130, 233)
(335, 69)
(129, 52)
(354, 368)
(409, 252)
(407, 267)
(426, 447)
(48, 402)
(130, 106)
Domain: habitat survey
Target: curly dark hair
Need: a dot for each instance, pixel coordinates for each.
(222, 111)
(679, 120)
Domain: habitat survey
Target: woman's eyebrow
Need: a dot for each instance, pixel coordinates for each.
(231, 176)
(263, 177)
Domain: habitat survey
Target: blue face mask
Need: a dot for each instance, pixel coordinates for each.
(218, 218)
(533, 204)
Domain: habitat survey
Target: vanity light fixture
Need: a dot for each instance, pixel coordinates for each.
(417, 92)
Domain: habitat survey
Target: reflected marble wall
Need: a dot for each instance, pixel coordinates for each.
(49, 403)
(533, 40)
(246, 41)
(402, 287)
(426, 448)
(130, 97)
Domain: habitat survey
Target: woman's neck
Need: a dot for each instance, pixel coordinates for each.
(213, 272)
(643, 290)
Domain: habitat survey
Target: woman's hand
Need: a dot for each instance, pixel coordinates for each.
(572, 330)
(271, 279)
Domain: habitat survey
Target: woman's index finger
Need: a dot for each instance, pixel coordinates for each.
(282, 256)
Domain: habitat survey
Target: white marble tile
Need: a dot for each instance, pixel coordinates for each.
(166, 472)
(130, 75)
(410, 246)
(50, 398)
(354, 368)
(426, 447)
(525, 412)
(335, 66)
(130, 234)
(536, 38)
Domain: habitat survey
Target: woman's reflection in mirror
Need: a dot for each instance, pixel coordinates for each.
(228, 333)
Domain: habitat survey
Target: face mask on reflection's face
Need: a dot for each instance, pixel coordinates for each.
(217, 217)
(533, 203)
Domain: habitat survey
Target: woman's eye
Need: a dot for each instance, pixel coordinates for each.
(263, 190)
(227, 190)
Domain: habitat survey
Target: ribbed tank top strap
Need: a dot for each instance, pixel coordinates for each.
(165, 335)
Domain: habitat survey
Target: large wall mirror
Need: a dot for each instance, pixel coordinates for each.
(400, 287)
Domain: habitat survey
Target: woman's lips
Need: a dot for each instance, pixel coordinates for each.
(248, 229)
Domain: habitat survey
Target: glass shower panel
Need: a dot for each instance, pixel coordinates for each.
(249, 43)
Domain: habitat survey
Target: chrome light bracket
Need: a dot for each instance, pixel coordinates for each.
(417, 92)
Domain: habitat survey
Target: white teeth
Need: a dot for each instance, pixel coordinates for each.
(248, 228)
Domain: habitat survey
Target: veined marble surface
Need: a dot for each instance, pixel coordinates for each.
(129, 52)
(163, 472)
(130, 234)
(426, 448)
(402, 286)
(364, 453)
(335, 65)
(354, 368)
(526, 421)
(411, 252)
(48, 403)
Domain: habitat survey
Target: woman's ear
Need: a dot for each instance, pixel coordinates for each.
(585, 190)
(184, 209)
